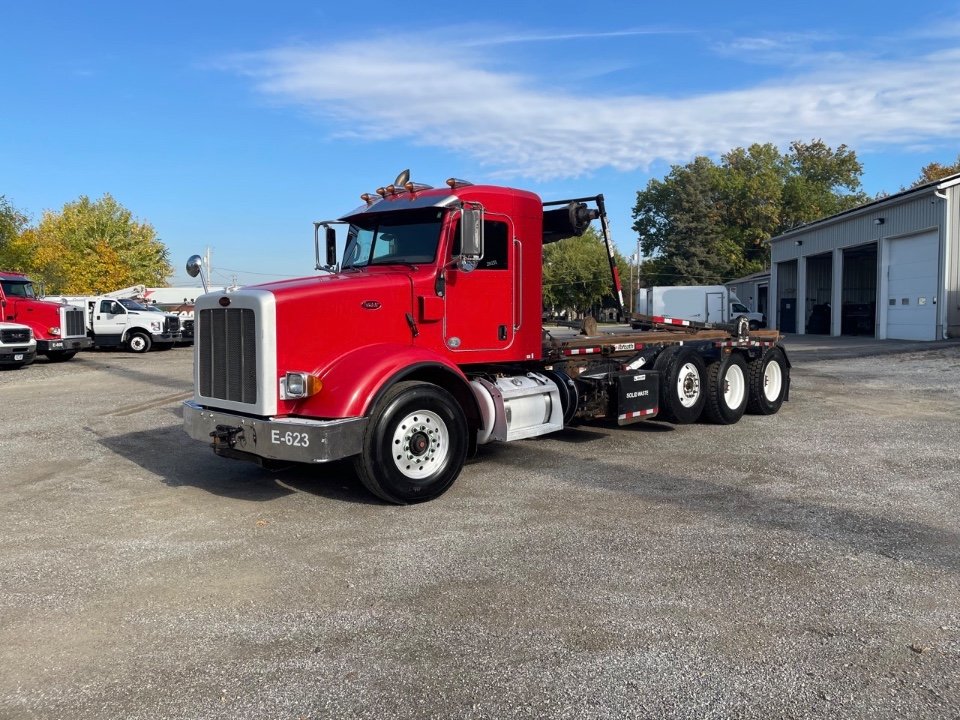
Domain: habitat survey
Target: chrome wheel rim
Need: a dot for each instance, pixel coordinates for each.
(688, 385)
(420, 444)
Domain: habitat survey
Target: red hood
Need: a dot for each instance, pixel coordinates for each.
(321, 318)
(40, 315)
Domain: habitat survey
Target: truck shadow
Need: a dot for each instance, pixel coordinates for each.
(178, 461)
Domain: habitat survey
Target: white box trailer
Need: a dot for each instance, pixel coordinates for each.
(714, 304)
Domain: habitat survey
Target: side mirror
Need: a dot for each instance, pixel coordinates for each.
(330, 243)
(195, 267)
(331, 247)
(471, 238)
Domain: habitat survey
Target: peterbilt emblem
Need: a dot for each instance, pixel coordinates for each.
(224, 301)
(370, 305)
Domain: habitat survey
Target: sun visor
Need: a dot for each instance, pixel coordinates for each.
(402, 201)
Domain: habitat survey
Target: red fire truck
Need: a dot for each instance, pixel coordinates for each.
(60, 329)
(426, 341)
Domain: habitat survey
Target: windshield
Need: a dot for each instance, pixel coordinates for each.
(131, 304)
(397, 238)
(18, 288)
(737, 307)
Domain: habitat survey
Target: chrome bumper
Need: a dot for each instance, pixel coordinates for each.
(285, 439)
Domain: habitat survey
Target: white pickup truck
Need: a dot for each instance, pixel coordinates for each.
(18, 346)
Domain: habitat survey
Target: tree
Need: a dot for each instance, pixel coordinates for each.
(707, 223)
(576, 272)
(12, 223)
(821, 182)
(92, 247)
(935, 171)
(679, 221)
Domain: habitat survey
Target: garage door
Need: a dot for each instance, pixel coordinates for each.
(912, 287)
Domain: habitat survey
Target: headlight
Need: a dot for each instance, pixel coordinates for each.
(296, 385)
(55, 331)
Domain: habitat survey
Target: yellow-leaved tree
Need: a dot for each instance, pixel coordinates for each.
(91, 247)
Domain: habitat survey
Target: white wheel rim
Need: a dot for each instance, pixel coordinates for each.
(734, 387)
(137, 343)
(420, 444)
(772, 381)
(688, 385)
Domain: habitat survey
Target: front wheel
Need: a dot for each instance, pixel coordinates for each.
(768, 382)
(139, 342)
(415, 445)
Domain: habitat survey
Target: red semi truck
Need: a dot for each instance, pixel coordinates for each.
(426, 341)
(60, 330)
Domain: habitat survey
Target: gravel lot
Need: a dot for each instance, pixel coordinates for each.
(805, 565)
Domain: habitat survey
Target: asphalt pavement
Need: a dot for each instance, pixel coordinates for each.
(801, 565)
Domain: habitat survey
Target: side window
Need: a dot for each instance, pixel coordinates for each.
(496, 244)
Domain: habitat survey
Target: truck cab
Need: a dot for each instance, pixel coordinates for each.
(59, 330)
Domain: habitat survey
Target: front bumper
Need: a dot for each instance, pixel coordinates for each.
(71, 344)
(17, 356)
(165, 338)
(284, 439)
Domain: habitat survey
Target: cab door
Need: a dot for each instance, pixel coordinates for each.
(481, 306)
(109, 321)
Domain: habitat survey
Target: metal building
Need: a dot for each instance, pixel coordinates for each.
(890, 268)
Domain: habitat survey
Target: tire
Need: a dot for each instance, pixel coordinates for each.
(727, 390)
(139, 342)
(569, 395)
(415, 445)
(754, 325)
(768, 382)
(60, 355)
(682, 395)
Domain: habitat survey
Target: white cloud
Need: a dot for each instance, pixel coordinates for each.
(520, 125)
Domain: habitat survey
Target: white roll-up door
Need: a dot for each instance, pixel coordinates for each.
(913, 268)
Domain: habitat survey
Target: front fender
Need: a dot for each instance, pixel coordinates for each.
(352, 383)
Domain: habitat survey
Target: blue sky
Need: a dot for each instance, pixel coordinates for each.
(234, 126)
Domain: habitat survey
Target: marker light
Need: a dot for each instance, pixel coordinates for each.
(298, 385)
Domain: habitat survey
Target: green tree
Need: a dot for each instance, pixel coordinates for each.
(12, 223)
(821, 182)
(576, 273)
(936, 171)
(92, 247)
(680, 223)
(707, 223)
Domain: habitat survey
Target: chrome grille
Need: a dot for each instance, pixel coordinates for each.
(9, 337)
(227, 354)
(73, 322)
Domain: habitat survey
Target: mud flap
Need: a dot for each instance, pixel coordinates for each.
(637, 396)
